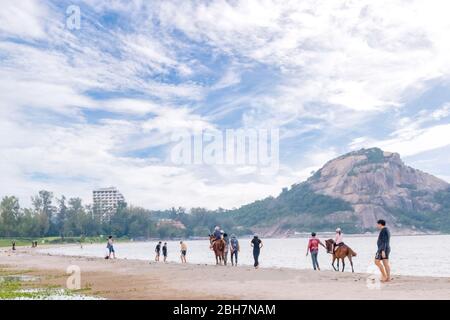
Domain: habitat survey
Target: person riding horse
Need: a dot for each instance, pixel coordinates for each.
(339, 250)
(217, 233)
(338, 240)
(218, 245)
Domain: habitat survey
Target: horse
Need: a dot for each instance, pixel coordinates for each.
(218, 246)
(340, 253)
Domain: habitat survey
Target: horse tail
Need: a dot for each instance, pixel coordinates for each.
(353, 253)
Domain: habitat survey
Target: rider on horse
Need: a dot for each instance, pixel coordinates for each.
(217, 233)
(338, 240)
(218, 245)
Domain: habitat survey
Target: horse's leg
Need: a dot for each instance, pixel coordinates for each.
(337, 264)
(343, 264)
(332, 263)
(351, 262)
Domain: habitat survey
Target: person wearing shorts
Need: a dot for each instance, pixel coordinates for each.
(383, 251)
(110, 246)
(158, 251)
(183, 247)
(164, 251)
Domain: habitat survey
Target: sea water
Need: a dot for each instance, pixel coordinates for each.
(426, 255)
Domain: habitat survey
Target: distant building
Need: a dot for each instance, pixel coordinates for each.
(171, 223)
(107, 200)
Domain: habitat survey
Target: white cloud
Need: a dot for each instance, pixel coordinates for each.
(230, 78)
(330, 65)
(420, 141)
(25, 18)
(361, 55)
(414, 135)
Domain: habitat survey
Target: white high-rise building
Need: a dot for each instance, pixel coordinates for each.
(106, 200)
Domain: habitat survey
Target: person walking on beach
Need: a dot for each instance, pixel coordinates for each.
(227, 247)
(383, 251)
(313, 247)
(164, 251)
(234, 249)
(110, 247)
(257, 244)
(158, 251)
(183, 247)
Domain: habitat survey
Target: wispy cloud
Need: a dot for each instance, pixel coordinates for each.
(97, 106)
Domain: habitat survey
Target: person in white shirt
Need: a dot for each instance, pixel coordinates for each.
(339, 239)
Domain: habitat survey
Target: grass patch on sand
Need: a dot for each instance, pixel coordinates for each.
(26, 242)
(23, 287)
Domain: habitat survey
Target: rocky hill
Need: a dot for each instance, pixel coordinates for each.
(354, 191)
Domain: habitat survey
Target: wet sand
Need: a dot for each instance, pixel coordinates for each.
(137, 280)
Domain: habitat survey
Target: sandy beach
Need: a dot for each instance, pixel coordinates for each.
(137, 279)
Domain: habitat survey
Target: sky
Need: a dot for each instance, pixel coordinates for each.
(96, 106)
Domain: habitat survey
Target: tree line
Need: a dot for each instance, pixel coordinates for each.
(62, 217)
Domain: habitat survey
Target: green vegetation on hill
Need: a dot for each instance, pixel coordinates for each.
(427, 220)
(443, 216)
(300, 202)
(374, 155)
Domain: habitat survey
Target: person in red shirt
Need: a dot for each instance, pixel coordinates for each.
(313, 247)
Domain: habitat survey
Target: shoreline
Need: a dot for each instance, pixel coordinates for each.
(281, 237)
(141, 280)
(241, 265)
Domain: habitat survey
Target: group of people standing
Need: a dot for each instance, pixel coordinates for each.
(34, 244)
(381, 255)
(232, 246)
(313, 246)
(165, 251)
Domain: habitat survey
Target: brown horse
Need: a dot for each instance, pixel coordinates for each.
(218, 246)
(341, 252)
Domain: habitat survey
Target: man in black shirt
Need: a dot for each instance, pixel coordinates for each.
(164, 250)
(256, 243)
(383, 251)
(158, 251)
